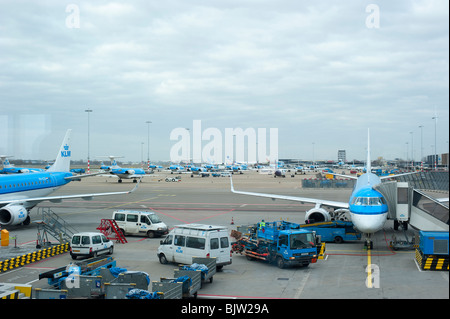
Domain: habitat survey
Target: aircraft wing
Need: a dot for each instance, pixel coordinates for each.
(294, 198)
(76, 177)
(394, 176)
(58, 199)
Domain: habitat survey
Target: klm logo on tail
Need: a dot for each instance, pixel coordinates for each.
(66, 152)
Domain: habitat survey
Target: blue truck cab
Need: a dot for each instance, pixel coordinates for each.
(296, 247)
(288, 247)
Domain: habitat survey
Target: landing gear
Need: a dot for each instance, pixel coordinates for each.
(403, 225)
(368, 243)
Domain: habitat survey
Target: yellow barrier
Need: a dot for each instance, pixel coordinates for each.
(430, 262)
(4, 238)
(26, 259)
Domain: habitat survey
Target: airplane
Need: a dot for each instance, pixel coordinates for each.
(154, 166)
(198, 169)
(9, 168)
(126, 173)
(176, 168)
(367, 207)
(19, 193)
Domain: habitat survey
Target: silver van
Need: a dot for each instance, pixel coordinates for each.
(196, 240)
(90, 244)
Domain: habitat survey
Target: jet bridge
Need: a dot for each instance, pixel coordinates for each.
(427, 213)
(411, 206)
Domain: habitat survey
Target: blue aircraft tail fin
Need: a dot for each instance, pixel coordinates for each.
(5, 161)
(62, 162)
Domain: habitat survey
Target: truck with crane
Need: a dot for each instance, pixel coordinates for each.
(279, 242)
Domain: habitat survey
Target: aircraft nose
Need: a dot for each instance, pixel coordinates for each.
(369, 223)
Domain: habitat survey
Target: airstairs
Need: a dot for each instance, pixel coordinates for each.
(53, 225)
(111, 230)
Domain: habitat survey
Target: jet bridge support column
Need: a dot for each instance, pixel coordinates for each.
(398, 196)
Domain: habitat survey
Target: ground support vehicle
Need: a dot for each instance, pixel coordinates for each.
(89, 266)
(191, 280)
(432, 253)
(334, 231)
(91, 278)
(131, 222)
(277, 242)
(188, 241)
(187, 280)
(173, 179)
(90, 244)
(207, 266)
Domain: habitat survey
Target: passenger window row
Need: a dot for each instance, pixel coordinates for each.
(197, 242)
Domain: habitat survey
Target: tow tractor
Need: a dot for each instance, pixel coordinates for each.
(335, 231)
(278, 242)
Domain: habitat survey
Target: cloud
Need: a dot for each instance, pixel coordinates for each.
(314, 70)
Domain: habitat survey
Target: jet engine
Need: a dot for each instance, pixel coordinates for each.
(24, 170)
(130, 171)
(13, 215)
(318, 214)
(342, 214)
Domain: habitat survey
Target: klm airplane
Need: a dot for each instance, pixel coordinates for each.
(19, 193)
(9, 168)
(127, 173)
(367, 207)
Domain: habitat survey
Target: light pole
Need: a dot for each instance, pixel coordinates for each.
(435, 145)
(421, 147)
(412, 149)
(88, 157)
(142, 155)
(407, 159)
(148, 144)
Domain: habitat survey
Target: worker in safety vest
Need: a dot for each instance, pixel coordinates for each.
(262, 224)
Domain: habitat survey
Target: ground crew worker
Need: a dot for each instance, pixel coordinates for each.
(262, 224)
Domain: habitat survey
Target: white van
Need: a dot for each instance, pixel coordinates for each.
(196, 240)
(133, 222)
(90, 245)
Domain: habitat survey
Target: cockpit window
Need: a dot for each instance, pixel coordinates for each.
(372, 201)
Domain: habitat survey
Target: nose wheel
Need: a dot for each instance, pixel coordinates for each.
(368, 243)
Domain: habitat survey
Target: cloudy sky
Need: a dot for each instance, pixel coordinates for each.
(321, 72)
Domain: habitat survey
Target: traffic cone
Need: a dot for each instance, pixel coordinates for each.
(232, 221)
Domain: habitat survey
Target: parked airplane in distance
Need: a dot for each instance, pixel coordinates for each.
(9, 168)
(124, 173)
(19, 193)
(367, 207)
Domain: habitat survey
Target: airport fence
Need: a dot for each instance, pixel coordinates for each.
(427, 180)
(422, 180)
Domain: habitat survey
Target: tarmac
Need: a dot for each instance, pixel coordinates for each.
(343, 274)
